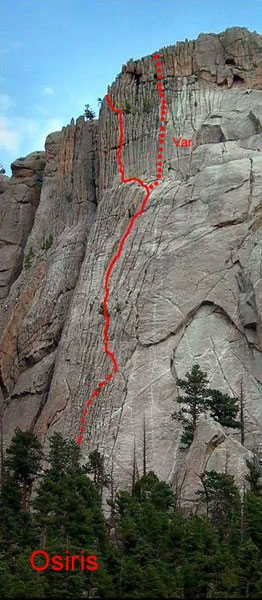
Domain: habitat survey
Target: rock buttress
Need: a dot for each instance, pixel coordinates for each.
(187, 287)
(36, 309)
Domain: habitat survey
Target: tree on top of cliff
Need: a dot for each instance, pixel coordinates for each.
(89, 114)
(2, 170)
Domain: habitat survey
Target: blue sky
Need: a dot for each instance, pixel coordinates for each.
(58, 55)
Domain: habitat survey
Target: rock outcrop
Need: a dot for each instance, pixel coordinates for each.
(187, 287)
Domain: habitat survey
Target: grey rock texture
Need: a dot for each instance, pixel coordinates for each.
(20, 196)
(187, 287)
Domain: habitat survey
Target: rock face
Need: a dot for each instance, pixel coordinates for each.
(187, 287)
(19, 200)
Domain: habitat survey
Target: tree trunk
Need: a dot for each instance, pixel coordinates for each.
(194, 417)
(1, 437)
(24, 498)
(144, 448)
(242, 422)
(134, 471)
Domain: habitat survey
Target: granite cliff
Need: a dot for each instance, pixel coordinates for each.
(187, 287)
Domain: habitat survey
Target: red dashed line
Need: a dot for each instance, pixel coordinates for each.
(115, 258)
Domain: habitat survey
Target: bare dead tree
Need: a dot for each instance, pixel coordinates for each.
(144, 447)
(179, 485)
(202, 479)
(242, 524)
(134, 471)
(242, 421)
(1, 437)
(226, 463)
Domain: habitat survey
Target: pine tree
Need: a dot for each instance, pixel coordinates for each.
(199, 398)
(249, 565)
(254, 476)
(95, 466)
(195, 388)
(23, 461)
(89, 113)
(222, 499)
(253, 510)
(17, 531)
(224, 409)
(65, 490)
(200, 565)
(142, 521)
(68, 515)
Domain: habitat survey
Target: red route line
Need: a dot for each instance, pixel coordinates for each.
(115, 258)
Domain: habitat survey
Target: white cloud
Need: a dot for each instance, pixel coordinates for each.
(9, 137)
(19, 132)
(48, 91)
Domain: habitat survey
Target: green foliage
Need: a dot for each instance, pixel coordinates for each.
(249, 562)
(96, 467)
(194, 400)
(28, 258)
(147, 106)
(142, 523)
(17, 530)
(254, 476)
(47, 242)
(65, 491)
(158, 492)
(2, 170)
(224, 409)
(127, 108)
(20, 580)
(89, 113)
(222, 499)
(153, 550)
(23, 461)
(197, 399)
(253, 511)
(68, 515)
(23, 456)
(187, 435)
